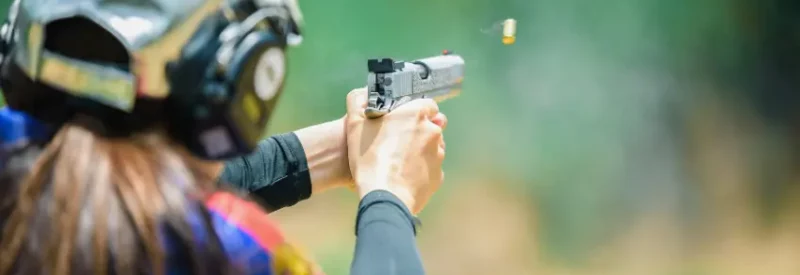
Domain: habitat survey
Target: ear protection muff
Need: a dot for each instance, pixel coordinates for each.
(227, 80)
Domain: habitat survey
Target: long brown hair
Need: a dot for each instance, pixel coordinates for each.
(90, 205)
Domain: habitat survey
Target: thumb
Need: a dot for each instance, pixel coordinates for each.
(357, 101)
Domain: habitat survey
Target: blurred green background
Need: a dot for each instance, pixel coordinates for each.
(612, 138)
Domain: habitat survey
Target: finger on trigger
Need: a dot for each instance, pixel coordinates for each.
(357, 101)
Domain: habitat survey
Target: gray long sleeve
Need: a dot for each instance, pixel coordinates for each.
(276, 174)
(385, 242)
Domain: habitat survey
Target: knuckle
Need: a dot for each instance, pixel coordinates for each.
(429, 106)
(432, 103)
(436, 131)
(421, 114)
(434, 140)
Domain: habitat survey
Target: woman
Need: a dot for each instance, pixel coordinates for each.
(119, 192)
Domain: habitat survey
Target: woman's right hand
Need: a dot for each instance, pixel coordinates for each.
(401, 152)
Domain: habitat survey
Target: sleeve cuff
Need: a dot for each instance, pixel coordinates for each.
(296, 156)
(383, 197)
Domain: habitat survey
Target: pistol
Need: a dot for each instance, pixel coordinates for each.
(391, 84)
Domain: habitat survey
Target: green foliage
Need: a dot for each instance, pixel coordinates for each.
(576, 111)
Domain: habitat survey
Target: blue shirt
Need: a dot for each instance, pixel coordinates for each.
(17, 130)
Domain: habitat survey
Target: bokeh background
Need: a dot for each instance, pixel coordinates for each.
(614, 137)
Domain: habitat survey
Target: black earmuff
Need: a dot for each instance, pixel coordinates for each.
(218, 92)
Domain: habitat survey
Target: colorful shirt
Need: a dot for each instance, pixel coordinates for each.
(252, 240)
(253, 243)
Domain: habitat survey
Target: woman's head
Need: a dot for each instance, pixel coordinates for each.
(215, 67)
(107, 188)
(124, 172)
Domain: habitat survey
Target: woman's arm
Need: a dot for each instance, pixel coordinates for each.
(325, 147)
(287, 168)
(385, 232)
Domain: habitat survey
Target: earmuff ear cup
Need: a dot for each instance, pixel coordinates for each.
(217, 111)
(198, 97)
(258, 73)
